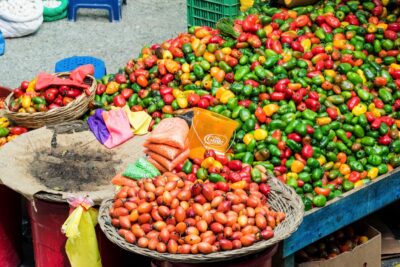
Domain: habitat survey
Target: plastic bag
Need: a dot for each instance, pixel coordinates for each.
(209, 130)
(157, 165)
(79, 228)
(171, 131)
(134, 172)
(169, 165)
(168, 152)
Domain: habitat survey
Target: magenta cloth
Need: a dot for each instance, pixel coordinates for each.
(118, 126)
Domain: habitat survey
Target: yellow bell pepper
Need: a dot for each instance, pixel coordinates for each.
(217, 164)
(372, 173)
(323, 121)
(167, 54)
(220, 92)
(270, 109)
(247, 138)
(31, 86)
(361, 73)
(177, 93)
(4, 122)
(306, 44)
(321, 160)
(186, 67)
(172, 66)
(371, 28)
(292, 175)
(226, 96)
(395, 66)
(208, 162)
(182, 102)
(297, 166)
(112, 87)
(26, 101)
(359, 109)
(358, 183)
(260, 134)
(330, 73)
(210, 57)
(344, 169)
(382, 26)
(226, 50)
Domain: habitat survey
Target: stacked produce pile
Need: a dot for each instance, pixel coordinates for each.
(174, 215)
(315, 90)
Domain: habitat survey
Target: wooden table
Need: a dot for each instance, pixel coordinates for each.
(342, 211)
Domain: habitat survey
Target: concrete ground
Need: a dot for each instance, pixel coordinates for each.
(143, 22)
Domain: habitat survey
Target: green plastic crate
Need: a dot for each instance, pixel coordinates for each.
(208, 12)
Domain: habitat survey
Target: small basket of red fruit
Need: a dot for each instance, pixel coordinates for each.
(50, 99)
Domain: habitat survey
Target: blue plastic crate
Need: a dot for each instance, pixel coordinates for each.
(71, 63)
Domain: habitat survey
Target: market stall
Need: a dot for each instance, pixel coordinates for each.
(226, 134)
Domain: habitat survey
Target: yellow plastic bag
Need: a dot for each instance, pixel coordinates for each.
(209, 130)
(81, 247)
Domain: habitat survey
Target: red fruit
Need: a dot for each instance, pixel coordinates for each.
(203, 103)
(222, 186)
(49, 96)
(193, 99)
(63, 90)
(66, 100)
(222, 159)
(119, 101)
(210, 153)
(307, 151)
(132, 77)
(24, 85)
(235, 165)
(120, 78)
(126, 93)
(332, 113)
(18, 92)
(264, 188)
(101, 88)
(234, 177)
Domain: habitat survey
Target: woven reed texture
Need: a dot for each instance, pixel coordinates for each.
(71, 112)
(281, 198)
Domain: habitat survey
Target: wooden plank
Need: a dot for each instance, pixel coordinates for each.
(343, 211)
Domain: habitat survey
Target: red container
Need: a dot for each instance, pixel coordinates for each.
(10, 227)
(263, 259)
(49, 243)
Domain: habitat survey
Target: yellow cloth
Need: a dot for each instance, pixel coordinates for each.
(81, 247)
(140, 121)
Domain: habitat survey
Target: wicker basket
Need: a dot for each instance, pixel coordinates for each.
(72, 111)
(281, 198)
(4, 92)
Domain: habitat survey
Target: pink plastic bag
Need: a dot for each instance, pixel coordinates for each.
(118, 125)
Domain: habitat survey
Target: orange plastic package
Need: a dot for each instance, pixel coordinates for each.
(169, 165)
(209, 130)
(166, 151)
(157, 165)
(171, 131)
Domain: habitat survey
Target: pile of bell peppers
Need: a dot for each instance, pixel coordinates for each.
(315, 90)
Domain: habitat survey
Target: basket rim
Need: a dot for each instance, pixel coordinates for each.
(52, 111)
(295, 204)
